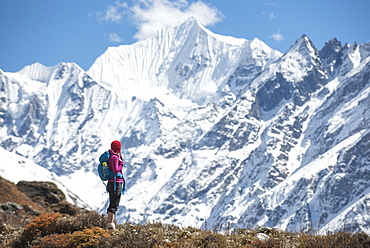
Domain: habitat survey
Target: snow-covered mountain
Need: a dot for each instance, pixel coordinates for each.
(215, 129)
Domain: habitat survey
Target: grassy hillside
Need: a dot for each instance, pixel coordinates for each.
(31, 219)
(89, 230)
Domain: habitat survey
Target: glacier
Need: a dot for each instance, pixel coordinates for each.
(216, 130)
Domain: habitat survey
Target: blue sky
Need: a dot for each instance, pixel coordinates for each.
(51, 31)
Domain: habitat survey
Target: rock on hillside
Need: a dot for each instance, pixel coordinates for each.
(15, 206)
(48, 196)
(22, 202)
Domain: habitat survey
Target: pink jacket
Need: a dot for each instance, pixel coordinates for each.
(115, 164)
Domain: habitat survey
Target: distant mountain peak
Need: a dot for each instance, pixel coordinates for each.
(331, 47)
(299, 59)
(177, 59)
(42, 73)
(303, 45)
(223, 38)
(331, 54)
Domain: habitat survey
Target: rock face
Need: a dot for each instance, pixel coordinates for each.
(17, 212)
(15, 206)
(44, 193)
(47, 195)
(22, 202)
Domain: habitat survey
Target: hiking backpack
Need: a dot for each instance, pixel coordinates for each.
(105, 173)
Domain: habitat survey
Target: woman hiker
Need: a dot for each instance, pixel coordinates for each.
(115, 188)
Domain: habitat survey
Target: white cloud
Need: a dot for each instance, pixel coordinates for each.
(113, 13)
(272, 15)
(269, 4)
(277, 36)
(149, 16)
(113, 37)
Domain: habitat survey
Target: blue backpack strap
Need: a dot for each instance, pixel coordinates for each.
(115, 184)
(123, 186)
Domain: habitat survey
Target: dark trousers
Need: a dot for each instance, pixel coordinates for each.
(114, 196)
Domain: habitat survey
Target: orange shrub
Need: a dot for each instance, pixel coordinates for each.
(40, 226)
(87, 237)
(54, 241)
